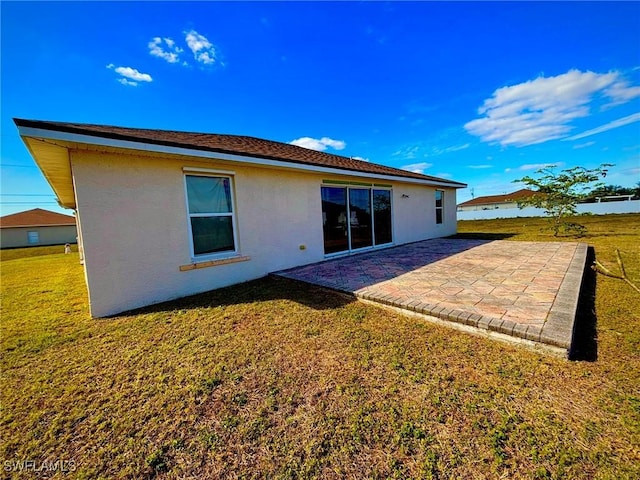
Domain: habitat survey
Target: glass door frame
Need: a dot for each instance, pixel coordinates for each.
(347, 187)
(366, 247)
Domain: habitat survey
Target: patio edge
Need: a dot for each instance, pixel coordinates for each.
(519, 340)
(559, 328)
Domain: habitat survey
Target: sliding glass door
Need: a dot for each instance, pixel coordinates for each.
(334, 219)
(355, 218)
(382, 216)
(360, 218)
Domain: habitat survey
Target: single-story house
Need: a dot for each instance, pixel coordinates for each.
(493, 202)
(166, 214)
(37, 227)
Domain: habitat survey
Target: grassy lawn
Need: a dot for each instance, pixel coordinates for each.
(13, 253)
(271, 379)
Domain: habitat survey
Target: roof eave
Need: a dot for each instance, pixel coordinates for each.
(53, 161)
(29, 132)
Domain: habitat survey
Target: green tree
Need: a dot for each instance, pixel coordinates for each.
(559, 193)
(606, 190)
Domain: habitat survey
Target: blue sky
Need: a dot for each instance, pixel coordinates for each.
(482, 93)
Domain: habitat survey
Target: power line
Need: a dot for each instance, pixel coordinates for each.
(26, 195)
(27, 203)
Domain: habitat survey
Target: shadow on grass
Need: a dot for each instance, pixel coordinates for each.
(482, 236)
(262, 290)
(316, 286)
(585, 335)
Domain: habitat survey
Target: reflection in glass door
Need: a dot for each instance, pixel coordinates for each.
(360, 218)
(382, 216)
(334, 219)
(362, 222)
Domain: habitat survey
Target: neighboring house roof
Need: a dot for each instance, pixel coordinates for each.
(188, 143)
(506, 198)
(36, 218)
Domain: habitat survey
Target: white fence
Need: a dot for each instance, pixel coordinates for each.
(603, 208)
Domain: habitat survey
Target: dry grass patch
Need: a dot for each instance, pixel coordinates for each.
(273, 379)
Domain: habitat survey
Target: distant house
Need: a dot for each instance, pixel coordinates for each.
(494, 202)
(166, 214)
(37, 227)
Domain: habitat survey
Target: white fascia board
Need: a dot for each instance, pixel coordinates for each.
(129, 145)
(208, 170)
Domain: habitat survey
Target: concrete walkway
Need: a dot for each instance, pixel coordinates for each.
(522, 291)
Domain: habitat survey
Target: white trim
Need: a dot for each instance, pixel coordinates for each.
(374, 245)
(208, 171)
(131, 145)
(214, 255)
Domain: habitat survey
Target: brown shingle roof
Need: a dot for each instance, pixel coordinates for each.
(491, 199)
(36, 218)
(229, 144)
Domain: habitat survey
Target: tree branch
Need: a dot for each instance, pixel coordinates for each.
(599, 268)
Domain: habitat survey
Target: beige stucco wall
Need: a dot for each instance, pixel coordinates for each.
(135, 231)
(54, 235)
(415, 215)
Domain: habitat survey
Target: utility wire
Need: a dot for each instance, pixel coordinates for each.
(28, 203)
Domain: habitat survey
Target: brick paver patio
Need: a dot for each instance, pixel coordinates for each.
(526, 290)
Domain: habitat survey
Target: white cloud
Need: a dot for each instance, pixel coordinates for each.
(169, 51)
(417, 167)
(542, 109)
(425, 150)
(608, 126)
(130, 76)
(479, 167)
(620, 92)
(361, 159)
(318, 144)
(408, 153)
(129, 83)
(534, 166)
(134, 74)
(453, 148)
(583, 145)
(203, 50)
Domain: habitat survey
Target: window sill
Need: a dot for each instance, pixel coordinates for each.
(213, 263)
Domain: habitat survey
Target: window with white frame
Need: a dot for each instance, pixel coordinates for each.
(211, 214)
(33, 238)
(439, 205)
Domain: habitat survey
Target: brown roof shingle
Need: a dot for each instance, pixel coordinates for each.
(229, 144)
(36, 218)
(491, 199)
